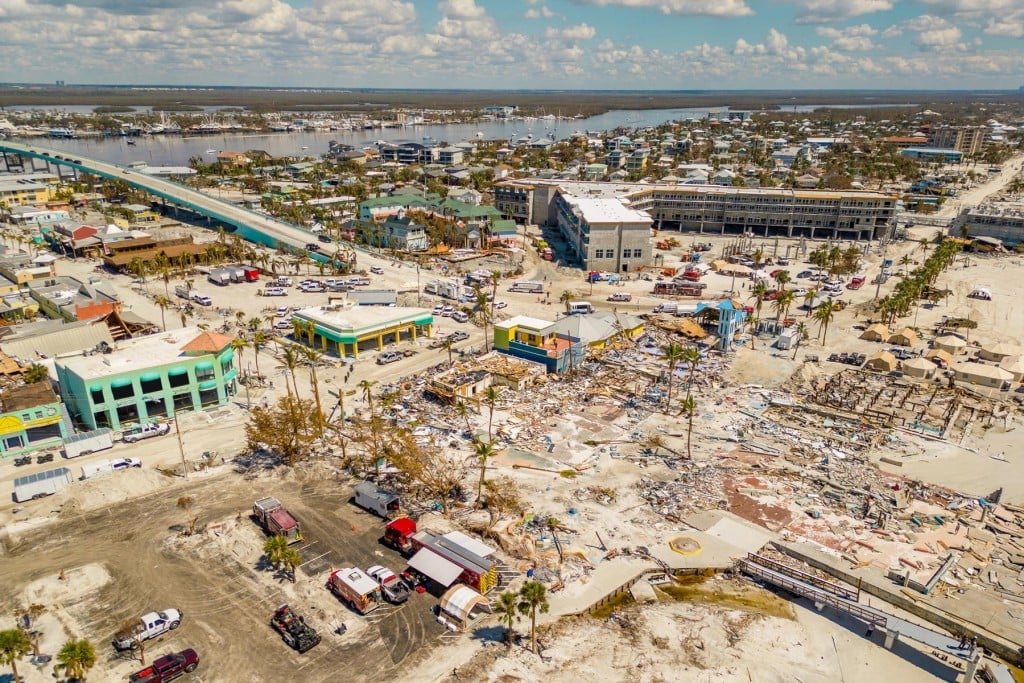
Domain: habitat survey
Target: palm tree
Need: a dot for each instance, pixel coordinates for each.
(291, 559)
(35, 373)
(689, 406)
(447, 344)
(824, 314)
(259, 340)
(483, 450)
(533, 597)
(801, 330)
(782, 303)
(672, 353)
(275, 548)
(14, 644)
(164, 303)
(759, 293)
(567, 297)
(76, 658)
(691, 356)
(289, 360)
(507, 606)
(312, 357)
(782, 278)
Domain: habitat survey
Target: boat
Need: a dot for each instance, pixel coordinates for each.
(131, 142)
(212, 151)
(479, 134)
(305, 147)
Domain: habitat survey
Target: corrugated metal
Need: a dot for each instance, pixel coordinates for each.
(67, 339)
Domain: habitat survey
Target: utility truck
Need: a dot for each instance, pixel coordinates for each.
(151, 625)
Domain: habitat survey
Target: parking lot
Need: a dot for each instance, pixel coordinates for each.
(227, 598)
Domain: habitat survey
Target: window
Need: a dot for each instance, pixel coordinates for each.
(178, 380)
(156, 407)
(225, 367)
(129, 413)
(208, 397)
(97, 396)
(44, 433)
(183, 402)
(150, 386)
(126, 391)
(204, 375)
(13, 442)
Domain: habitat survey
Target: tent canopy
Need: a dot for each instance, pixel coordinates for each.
(905, 337)
(460, 601)
(876, 332)
(950, 341)
(882, 361)
(436, 567)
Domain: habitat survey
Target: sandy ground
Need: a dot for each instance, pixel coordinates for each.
(214, 578)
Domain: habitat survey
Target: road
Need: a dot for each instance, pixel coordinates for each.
(254, 226)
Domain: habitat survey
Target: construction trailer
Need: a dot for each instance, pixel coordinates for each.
(356, 589)
(454, 557)
(41, 484)
(84, 443)
(379, 501)
(276, 519)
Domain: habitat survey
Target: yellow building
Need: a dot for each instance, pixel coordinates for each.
(23, 192)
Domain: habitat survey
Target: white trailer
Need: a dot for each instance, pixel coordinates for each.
(85, 443)
(41, 484)
(379, 501)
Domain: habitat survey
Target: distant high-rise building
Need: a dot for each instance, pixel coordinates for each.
(969, 140)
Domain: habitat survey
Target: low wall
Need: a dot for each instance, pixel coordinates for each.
(934, 615)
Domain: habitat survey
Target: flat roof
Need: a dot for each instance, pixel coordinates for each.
(363, 318)
(133, 354)
(525, 321)
(607, 210)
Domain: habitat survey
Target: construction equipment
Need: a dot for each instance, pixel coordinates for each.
(294, 630)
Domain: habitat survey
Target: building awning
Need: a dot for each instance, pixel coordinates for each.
(460, 601)
(207, 385)
(178, 371)
(149, 376)
(436, 567)
(204, 365)
(121, 382)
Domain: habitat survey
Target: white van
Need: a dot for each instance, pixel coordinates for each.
(460, 317)
(580, 307)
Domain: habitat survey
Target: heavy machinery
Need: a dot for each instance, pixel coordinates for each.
(294, 630)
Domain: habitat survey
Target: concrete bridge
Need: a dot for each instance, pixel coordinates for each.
(249, 225)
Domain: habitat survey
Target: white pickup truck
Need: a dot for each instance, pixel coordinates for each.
(145, 431)
(150, 625)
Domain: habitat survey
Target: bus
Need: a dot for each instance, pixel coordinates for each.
(529, 286)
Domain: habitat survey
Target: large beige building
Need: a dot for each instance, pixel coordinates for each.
(853, 215)
(967, 139)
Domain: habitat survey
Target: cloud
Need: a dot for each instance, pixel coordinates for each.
(578, 32)
(541, 12)
(850, 38)
(824, 11)
(712, 8)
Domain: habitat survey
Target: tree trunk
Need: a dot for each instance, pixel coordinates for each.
(533, 630)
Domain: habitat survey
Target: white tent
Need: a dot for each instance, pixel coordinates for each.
(950, 343)
(918, 367)
(461, 602)
(434, 566)
(999, 351)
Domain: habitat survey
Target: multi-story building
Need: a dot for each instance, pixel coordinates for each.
(636, 162)
(23, 192)
(141, 380)
(969, 140)
(603, 233)
(403, 233)
(67, 298)
(31, 417)
(539, 341)
(714, 209)
(344, 331)
(408, 152)
(1003, 222)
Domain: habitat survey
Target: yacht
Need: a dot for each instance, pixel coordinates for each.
(212, 151)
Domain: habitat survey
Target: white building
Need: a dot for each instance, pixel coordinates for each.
(604, 233)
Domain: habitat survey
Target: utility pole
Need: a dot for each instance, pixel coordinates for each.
(181, 447)
(885, 249)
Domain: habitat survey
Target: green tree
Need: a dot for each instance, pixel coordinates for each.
(689, 406)
(283, 428)
(801, 330)
(823, 314)
(163, 303)
(672, 354)
(14, 644)
(484, 451)
(291, 559)
(508, 607)
(533, 598)
(35, 373)
(567, 297)
(75, 659)
(275, 548)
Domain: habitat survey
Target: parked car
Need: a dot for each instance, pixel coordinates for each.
(498, 305)
(376, 270)
(324, 238)
(458, 336)
(804, 274)
(388, 357)
(438, 310)
(799, 291)
(460, 317)
(312, 246)
(448, 311)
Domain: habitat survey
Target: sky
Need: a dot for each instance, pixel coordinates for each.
(516, 44)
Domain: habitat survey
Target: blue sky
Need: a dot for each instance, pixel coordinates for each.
(643, 44)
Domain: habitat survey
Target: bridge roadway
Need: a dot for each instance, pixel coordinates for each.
(250, 225)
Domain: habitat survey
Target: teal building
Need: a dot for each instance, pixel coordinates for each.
(31, 418)
(148, 379)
